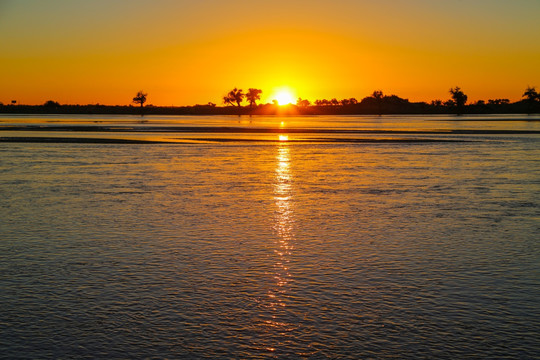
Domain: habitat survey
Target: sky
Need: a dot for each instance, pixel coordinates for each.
(185, 52)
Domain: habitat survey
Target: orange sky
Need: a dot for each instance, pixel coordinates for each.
(193, 52)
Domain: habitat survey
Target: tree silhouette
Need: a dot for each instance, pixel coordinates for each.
(322, 102)
(51, 103)
(459, 98)
(449, 103)
(530, 94)
(378, 95)
(227, 100)
(234, 96)
(532, 97)
(253, 95)
(303, 103)
(237, 95)
(498, 101)
(140, 98)
(350, 101)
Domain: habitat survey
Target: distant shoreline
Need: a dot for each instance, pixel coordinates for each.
(405, 108)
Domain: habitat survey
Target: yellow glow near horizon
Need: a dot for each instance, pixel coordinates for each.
(284, 96)
(189, 52)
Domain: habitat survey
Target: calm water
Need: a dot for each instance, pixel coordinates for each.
(412, 240)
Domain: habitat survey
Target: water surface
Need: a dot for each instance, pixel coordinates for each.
(252, 245)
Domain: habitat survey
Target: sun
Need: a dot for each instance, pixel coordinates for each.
(284, 97)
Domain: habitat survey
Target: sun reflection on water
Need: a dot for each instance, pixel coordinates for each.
(284, 212)
(277, 323)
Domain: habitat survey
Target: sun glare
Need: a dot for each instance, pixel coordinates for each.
(284, 97)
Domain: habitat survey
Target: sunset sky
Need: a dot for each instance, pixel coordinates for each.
(193, 52)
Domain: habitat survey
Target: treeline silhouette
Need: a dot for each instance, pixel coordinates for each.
(376, 104)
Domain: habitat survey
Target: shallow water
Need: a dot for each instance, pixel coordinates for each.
(279, 249)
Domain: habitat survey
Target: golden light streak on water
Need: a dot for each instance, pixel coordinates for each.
(284, 216)
(284, 229)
